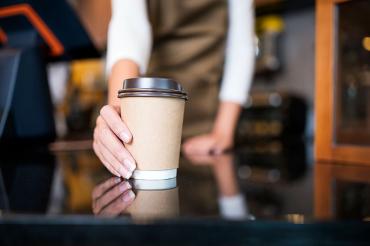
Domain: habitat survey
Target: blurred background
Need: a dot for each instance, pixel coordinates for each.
(281, 101)
(274, 159)
(275, 131)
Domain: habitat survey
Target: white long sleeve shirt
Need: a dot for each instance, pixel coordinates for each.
(130, 37)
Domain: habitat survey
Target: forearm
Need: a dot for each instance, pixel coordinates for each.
(121, 70)
(238, 66)
(227, 119)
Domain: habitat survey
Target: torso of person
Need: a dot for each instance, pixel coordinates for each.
(189, 46)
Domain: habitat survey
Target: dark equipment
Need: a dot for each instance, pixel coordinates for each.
(33, 33)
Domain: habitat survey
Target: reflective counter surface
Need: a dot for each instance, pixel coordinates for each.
(268, 193)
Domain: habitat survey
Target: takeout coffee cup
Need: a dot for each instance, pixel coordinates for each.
(153, 110)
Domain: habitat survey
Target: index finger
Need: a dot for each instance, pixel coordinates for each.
(119, 205)
(113, 120)
(103, 187)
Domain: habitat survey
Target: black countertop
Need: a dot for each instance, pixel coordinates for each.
(262, 193)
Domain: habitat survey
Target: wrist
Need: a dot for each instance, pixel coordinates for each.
(223, 131)
(121, 70)
(226, 120)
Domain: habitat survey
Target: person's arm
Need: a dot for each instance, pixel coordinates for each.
(236, 81)
(129, 44)
(121, 70)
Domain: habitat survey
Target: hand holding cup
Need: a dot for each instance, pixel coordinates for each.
(109, 135)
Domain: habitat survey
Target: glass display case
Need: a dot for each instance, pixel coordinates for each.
(342, 97)
(352, 73)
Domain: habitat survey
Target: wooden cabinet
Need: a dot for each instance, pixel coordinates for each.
(342, 99)
(330, 185)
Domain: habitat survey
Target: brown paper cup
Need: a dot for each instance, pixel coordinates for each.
(156, 127)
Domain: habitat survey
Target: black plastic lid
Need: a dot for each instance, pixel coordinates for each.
(152, 87)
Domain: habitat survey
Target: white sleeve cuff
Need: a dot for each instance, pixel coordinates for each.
(233, 207)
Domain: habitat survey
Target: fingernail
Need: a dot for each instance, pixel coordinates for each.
(128, 175)
(117, 180)
(129, 164)
(129, 196)
(123, 171)
(124, 136)
(125, 186)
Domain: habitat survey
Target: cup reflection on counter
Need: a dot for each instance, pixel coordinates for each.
(155, 199)
(142, 199)
(232, 203)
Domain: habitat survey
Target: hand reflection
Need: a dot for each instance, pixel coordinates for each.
(218, 161)
(201, 159)
(223, 169)
(232, 202)
(112, 197)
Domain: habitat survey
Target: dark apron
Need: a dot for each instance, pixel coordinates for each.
(189, 46)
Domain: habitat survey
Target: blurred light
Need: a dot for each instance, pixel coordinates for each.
(295, 218)
(275, 99)
(366, 43)
(244, 172)
(272, 23)
(256, 45)
(251, 217)
(273, 175)
(275, 147)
